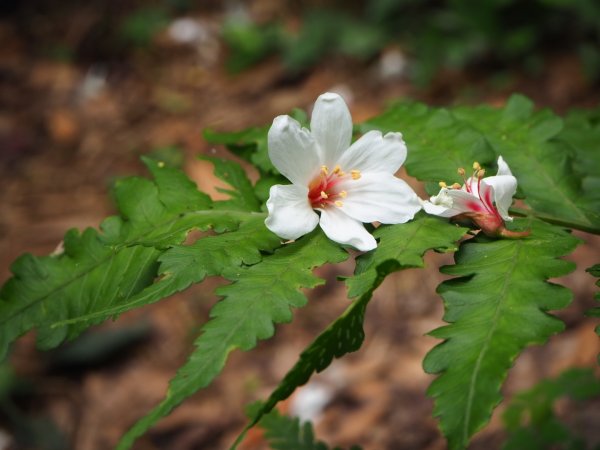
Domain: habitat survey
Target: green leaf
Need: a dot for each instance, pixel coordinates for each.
(437, 142)
(99, 270)
(251, 144)
(595, 312)
(405, 243)
(530, 418)
(401, 246)
(287, 433)
(181, 266)
(495, 307)
(241, 196)
(545, 162)
(259, 296)
(582, 134)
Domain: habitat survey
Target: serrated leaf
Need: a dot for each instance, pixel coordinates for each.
(259, 296)
(438, 143)
(241, 196)
(595, 312)
(405, 243)
(287, 433)
(582, 133)
(183, 265)
(442, 140)
(251, 143)
(497, 306)
(401, 246)
(98, 270)
(530, 418)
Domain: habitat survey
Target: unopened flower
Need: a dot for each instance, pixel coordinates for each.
(347, 184)
(483, 200)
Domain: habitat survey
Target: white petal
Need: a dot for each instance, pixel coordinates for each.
(503, 168)
(463, 202)
(440, 205)
(375, 153)
(379, 197)
(331, 126)
(343, 229)
(437, 210)
(504, 188)
(290, 214)
(293, 151)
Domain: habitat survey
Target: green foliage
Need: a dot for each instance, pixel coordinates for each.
(140, 27)
(400, 247)
(259, 295)
(530, 418)
(448, 35)
(287, 433)
(495, 307)
(595, 312)
(96, 270)
(439, 143)
(249, 43)
(548, 170)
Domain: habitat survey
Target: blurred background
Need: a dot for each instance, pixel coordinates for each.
(88, 87)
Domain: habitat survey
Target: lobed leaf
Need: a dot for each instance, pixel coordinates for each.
(259, 296)
(595, 312)
(401, 246)
(96, 270)
(495, 307)
(556, 170)
(241, 194)
(438, 143)
(183, 265)
(405, 243)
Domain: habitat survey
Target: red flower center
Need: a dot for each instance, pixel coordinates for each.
(323, 190)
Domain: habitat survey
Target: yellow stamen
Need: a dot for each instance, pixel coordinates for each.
(480, 173)
(343, 194)
(337, 169)
(338, 204)
(443, 184)
(461, 172)
(476, 166)
(324, 170)
(355, 174)
(324, 195)
(455, 186)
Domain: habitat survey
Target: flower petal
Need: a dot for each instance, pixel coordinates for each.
(503, 168)
(290, 215)
(331, 126)
(375, 153)
(463, 202)
(379, 197)
(293, 151)
(504, 188)
(344, 230)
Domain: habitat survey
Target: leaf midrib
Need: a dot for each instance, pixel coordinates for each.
(485, 347)
(115, 250)
(209, 362)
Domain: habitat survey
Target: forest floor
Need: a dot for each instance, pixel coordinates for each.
(68, 129)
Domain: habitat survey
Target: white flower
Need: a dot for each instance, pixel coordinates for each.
(348, 184)
(483, 200)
